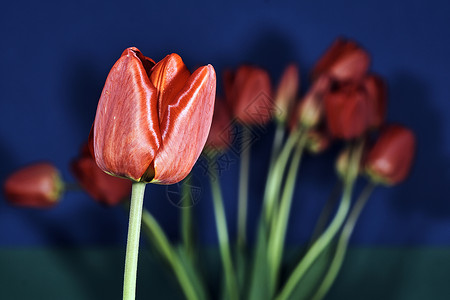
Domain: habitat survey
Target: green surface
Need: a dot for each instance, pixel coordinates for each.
(96, 273)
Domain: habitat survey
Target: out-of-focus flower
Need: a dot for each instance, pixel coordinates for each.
(219, 138)
(377, 99)
(342, 162)
(287, 92)
(104, 188)
(347, 111)
(389, 161)
(37, 185)
(344, 61)
(310, 108)
(152, 121)
(317, 141)
(248, 92)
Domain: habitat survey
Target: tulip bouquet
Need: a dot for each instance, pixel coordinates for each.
(154, 120)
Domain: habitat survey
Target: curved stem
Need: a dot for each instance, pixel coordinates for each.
(322, 242)
(243, 189)
(276, 176)
(278, 232)
(162, 243)
(222, 232)
(343, 242)
(134, 229)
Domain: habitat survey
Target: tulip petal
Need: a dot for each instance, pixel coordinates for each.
(126, 133)
(185, 127)
(168, 76)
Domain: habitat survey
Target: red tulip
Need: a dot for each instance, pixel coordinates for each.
(343, 61)
(38, 185)
(377, 99)
(390, 159)
(219, 137)
(347, 112)
(102, 187)
(249, 94)
(152, 121)
(287, 91)
(310, 108)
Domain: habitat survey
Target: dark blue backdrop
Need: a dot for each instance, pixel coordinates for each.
(56, 56)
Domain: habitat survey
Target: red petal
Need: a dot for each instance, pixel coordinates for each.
(185, 127)
(126, 132)
(168, 76)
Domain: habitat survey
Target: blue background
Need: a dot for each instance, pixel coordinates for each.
(55, 57)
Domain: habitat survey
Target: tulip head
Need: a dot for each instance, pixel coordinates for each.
(347, 111)
(104, 188)
(317, 141)
(389, 161)
(287, 91)
(310, 108)
(39, 185)
(248, 92)
(152, 120)
(344, 61)
(219, 138)
(377, 99)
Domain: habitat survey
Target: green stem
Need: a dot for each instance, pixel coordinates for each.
(134, 228)
(326, 212)
(343, 242)
(278, 232)
(222, 233)
(276, 176)
(323, 241)
(243, 189)
(164, 247)
(186, 217)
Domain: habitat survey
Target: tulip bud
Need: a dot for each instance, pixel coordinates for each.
(102, 187)
(287, 91)
(249, 94)
(390, 159)
(347, 112)
(342, 163)
(317, 141)
(310, 109)
(377, 99)
(152, 122)
(39, 185)
(343, 61)
(219, 138)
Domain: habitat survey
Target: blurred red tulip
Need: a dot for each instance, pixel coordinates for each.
(152, 121)
(310, 108)
(37, 185)
(100, 186)
(377, 99)
(219, 138)
(390, 159)
(347, 112)
(287, 91)
(343, 61)
(248, 92)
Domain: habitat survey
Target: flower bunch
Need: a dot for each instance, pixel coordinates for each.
(154, 120)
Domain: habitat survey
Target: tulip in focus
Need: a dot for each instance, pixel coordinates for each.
(219, 138)
(152, 120)
(39, 185)
(287, 91)
(377, 99)
(102, 187)
(347, 112)
(248, 92)
(344, 61)
(390, 159)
